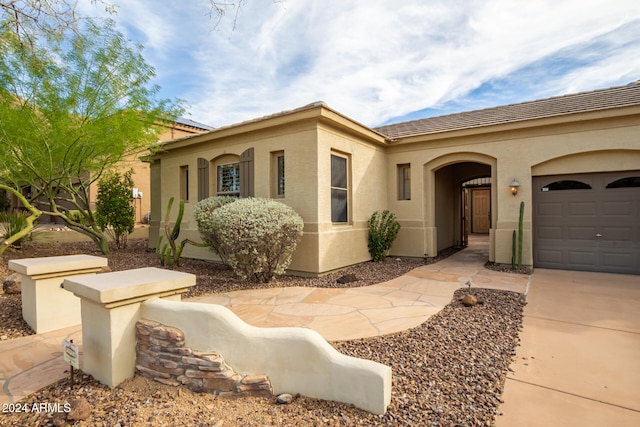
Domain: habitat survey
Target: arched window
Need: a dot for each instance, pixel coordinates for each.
(628, 182)
(567, 184)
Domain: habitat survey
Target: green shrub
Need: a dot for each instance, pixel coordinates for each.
(114, 212)
(255, 237)
(383, 230)
(203, 213)
(11, 222)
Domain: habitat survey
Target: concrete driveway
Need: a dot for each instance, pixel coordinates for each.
(579, 359)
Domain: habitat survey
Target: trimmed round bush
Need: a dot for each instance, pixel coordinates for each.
(203, 213)
(256, 237)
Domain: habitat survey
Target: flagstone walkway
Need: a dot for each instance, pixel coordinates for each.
(399, 304)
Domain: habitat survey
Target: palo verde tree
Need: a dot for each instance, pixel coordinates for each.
(72, 108)
(29, 19)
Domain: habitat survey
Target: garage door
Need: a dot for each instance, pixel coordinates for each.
(587, 222)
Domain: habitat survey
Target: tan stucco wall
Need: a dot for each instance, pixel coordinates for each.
(343, 244)
(596, 145)
(430, 220)
(299, 146)
(307, 147)
(141, 181)
(141, 171)
(593, 142)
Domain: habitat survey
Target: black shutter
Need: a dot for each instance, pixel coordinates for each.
(246, 173)
(203, 179)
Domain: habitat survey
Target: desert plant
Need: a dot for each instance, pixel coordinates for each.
(256, 237)
(78, 216)
(170, 252)
(383, 230)
(203, 213)
(11, 223)
(114, 212)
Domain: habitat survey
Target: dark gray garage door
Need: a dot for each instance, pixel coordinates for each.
(587, 222)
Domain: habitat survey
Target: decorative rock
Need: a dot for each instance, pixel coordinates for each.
(347, 278)
(12, 284)
(168, 362)
(469, 300)
(284, 399)
(254, 379)
(169, 381)
(80, 410)
(59, 419)
(258, 390)
(220, 384)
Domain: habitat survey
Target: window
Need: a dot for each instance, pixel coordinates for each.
(229, 179)
(184, 183)
(339, 189)
(629, 182)
(277, 173)
(404, 182)
(566, 185)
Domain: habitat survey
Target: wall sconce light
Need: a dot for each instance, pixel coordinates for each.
(514, 187)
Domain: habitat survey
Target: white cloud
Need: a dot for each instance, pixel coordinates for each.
(377, 59)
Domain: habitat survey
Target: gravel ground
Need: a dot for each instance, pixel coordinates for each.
(448, 371)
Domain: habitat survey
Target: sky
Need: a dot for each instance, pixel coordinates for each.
(380, 61)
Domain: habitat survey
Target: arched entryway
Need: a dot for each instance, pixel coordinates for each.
(458, 186)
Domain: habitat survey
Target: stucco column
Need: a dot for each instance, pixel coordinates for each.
(110, 309)
(45, 305)
(508, 216)
(157, 211)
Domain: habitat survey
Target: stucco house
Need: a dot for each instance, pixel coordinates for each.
(575, 160)
(141, 192)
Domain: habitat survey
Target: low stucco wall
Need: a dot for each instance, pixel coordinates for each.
(45, 305)
(296, 360)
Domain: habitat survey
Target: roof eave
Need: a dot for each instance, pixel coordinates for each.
(316, 111)
(520, 125)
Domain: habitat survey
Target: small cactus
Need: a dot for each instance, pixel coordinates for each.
(170, 252)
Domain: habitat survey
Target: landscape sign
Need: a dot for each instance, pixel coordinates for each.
(71, 353)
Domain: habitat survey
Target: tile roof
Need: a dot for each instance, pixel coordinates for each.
(602, 99)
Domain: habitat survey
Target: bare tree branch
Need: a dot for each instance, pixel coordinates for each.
(30, 19)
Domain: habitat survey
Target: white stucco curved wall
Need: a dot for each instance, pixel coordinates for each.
(296, 360)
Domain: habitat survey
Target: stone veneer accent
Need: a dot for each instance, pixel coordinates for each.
(162, 356)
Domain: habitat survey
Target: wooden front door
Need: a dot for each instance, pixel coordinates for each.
(480, 210)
